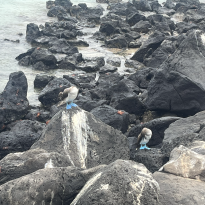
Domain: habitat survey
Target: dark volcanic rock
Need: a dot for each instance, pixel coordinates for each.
(57, 185)
(108, 27)
(143, 76)
(142, 27)
(142, 5)
(49, 95)
(25, 61)
(117, 42)
(42, 80)
(21, 137)
(114, 61)
(184, 132)
(121, 182)
(38, 115)
(176, 86)
(134, 18)
(178, 190)
(84, 139)
(13, 100)
(149, 46)
(16, 165)
(107, 68)
(32, 32)
(55, 10)
(133, 64)
(152, 159)
(158, 126)
(183, 27)
(28, 53)
(110, 116)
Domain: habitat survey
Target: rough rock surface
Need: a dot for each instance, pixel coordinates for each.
(13, 100)
(121, 182)
(85, 140)
(112, 117)
(183, 132)
(50, 185)
(177, 86)
(21, 137)
(177, 190)
(198, 147)
(18, 164)
(32, 32)
(186, 163)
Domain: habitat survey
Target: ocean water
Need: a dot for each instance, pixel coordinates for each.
(14, 16)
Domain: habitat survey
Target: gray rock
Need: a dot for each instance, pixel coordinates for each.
(121, 182)
(177, 190)
(85, 140)
(107, 69)
(42, 80)
(55, 10)
(32, 32)
(114, 61)
(142, 27)
(198, 147)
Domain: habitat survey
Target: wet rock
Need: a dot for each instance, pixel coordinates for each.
(152, 159)
(142, 5)
(133, 64)
(32, 32)
(178, 190)
(42, 67)
(50, 4)
(186, 163)
(142, 27)
(28, 53)
(183, 27)
(43, 41)
(107, 69)
(13, 100)
(64, 3)
(49, 95)
(66, 17)
(149, 46)
(114, 61)
(59, 185)
(176, 86)
(117, 42)
(55, 10)
(79, 43)
(119, 8)
(134, 44)
(169, 4)
(25, 61)
(121, 182)
(184, 132)
(110, 116)
(19, 164)
(165, 11)
(143, 76)
(158, 126)
(134, 18)
(44, 56)
(84, 139)
(42, 80)
(22, 136)
(108, 27)
(91, 64)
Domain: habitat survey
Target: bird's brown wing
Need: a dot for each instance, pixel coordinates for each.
(139, 138)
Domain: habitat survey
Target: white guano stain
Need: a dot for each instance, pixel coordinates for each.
(86, 187)
(75, 132)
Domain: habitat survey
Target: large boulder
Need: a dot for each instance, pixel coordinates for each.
(186, 163)
(49, 95)
(84, 139)
(134, 18)
(176, 86)
(177, 190)
(183, 132)
(50, 185)
(19, 164)
(142, 5)
(32, 32)
(55, 10)
(149, 46)
(42, 80)
(112, 117)
(142, 27)
(121, 182)
(117, 42)
(21, 137)
(13, 100)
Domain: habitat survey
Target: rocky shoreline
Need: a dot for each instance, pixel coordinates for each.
(89, 155)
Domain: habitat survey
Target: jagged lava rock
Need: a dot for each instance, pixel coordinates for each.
(56, 185)
(121, 182)
(183, 132)
(84, 139)
(32, 32)
(21, 137)
(13, 100)
(176, 86)
(110, 116)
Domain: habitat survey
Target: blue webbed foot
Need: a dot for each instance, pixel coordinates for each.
(68, 106)
(73, 105)
(144, 147)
